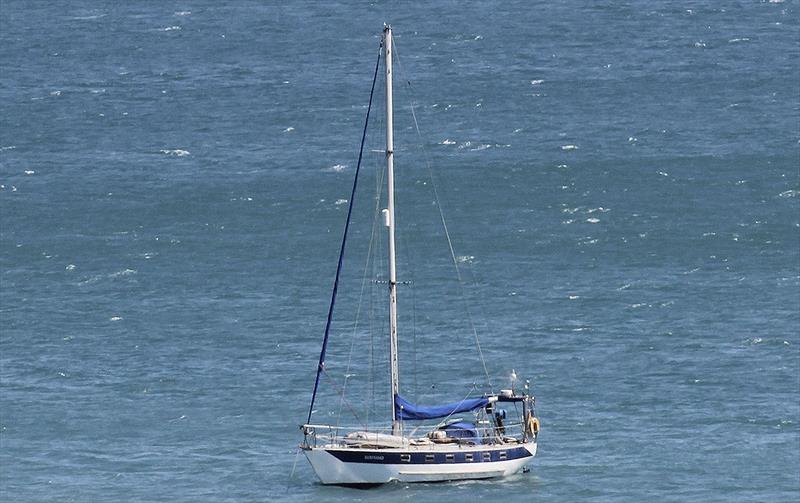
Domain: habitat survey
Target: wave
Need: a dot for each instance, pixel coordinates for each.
(88, 18)
(114, 275)
(177, 152)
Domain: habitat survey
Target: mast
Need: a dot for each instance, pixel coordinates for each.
(389, 220)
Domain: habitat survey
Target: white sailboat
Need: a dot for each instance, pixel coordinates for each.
(485, 445)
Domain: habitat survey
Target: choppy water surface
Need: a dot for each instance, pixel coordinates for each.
(621, 182)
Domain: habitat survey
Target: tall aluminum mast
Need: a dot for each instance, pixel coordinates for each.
(389, 220)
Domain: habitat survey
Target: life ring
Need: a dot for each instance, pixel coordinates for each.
(533, 425)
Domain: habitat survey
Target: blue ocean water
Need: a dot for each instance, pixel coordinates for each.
(621, 182)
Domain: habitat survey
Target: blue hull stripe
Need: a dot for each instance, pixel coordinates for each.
(423, 458)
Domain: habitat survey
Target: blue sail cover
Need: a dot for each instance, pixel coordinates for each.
(463, 430)
(406, 410)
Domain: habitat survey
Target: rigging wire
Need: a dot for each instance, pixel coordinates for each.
(414, 336)
(364, 278)
(373, 303)
(341, 395)
(444, 226)
(377, 321)
(321, 364)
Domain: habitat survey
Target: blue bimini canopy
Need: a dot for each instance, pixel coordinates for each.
(409, 411)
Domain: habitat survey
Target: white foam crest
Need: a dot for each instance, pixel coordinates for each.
(447, 142)
(569, 147)
(789, 193)
(9, 147)
(29, 172)
(583, 209)
(735, 40)
(88, 18)
(482, 146)
(593, 220)
(340, 202)
(288, 129)
(171, 28)
(115, 318)
(113, 275)
(537, 82)
(124, 272)
(183, 13)
(337, 168)
(465, 259)
(177, 152)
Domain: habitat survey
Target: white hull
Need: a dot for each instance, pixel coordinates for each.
(366, 466)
